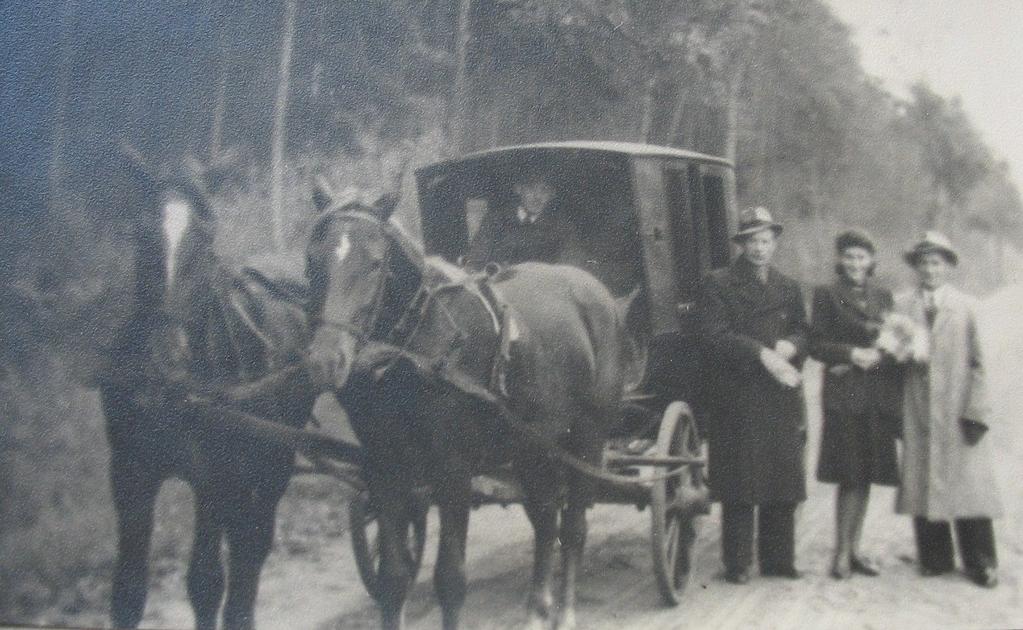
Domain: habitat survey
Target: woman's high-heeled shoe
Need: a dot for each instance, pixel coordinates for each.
(863, 567)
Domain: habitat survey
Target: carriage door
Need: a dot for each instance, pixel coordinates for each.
(682, 188)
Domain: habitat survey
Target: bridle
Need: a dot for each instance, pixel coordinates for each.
(363, 333)
(407, 324)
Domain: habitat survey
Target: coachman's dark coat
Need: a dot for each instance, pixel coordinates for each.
(757, 427)
(502, 238)
(862, 409)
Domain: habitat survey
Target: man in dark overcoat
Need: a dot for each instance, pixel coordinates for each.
(532, 230)
(755, 337)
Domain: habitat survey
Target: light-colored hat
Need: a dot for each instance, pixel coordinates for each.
(932, 242)
(753, 220)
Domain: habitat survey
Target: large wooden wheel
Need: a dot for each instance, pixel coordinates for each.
(362, 519)
(673, 520)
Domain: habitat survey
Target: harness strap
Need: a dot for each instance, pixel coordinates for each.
(386, 354)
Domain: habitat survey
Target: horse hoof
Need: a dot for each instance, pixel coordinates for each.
(536, 622)
(566, 621)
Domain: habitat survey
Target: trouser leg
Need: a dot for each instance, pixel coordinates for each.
(776, 536)
(976, 538)
(934, 544)
(737, 535)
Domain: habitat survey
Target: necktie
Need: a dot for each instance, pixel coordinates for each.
(930, 309)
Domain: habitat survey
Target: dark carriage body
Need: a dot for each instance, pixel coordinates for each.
(642, 216)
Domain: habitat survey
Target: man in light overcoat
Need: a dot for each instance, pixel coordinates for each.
(946, 472)
(755, 336)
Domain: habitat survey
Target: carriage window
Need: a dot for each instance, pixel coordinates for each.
(475, 210)
(699, 214)
(717, 220)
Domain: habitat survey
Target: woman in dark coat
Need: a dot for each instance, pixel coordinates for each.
(861, 394)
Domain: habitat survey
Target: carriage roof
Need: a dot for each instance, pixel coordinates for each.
(629, 149)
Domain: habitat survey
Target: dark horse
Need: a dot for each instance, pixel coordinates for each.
(158, 314)
(554, 355)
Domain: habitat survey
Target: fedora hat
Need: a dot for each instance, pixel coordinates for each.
(932, 242)
(753, 220)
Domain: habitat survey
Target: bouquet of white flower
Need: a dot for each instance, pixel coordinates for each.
(903, 338)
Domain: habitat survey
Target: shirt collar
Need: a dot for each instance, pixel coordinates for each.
(938, 294)
(751, 271)
(525, 217)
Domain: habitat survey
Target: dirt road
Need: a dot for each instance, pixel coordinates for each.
(316, 586)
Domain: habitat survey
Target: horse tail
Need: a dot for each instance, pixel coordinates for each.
(605, 330)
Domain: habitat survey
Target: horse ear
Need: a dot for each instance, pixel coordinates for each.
(384, 206)
(323, 195)
(135, 162)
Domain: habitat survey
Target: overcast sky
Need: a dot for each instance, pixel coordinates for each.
(970, 48)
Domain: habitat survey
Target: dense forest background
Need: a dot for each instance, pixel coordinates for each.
(292, 89)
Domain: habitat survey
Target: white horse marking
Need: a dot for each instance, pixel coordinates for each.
(176, 217)
(344, 247)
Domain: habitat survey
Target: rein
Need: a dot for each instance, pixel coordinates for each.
(387, 355)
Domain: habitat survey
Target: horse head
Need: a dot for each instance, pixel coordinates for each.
(84, 283)
(119, 242)
(362, 271)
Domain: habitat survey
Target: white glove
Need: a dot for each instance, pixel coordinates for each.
(865, 358)
(780, 369)
(786, 349)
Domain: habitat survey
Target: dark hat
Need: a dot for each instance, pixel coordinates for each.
(753, 220)
(853, 238)
(932, 242)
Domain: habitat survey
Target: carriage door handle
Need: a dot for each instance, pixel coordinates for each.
(685, 308)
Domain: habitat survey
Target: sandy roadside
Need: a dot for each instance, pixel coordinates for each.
(319, 587)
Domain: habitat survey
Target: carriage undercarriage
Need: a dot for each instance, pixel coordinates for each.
(660, 468)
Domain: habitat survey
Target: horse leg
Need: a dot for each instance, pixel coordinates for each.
(205, 578)
(573, 539)
(134, 489)
(250, 534)
(395, 574)
(573, 534)
(449, 573)
(541, 505)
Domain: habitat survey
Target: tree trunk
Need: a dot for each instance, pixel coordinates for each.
(60, 122)
(219, 98)
(646, 121)
(279, 134)
(732, 115)
(458, 117)
(677, 112)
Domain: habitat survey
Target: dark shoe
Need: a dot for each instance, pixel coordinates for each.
(863, 567)
(986, 577)
(933, 571)
(790, 573)
(840, 570)
(737, 576)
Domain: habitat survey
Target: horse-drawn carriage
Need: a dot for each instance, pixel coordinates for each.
(648, 222)
(553, 385)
